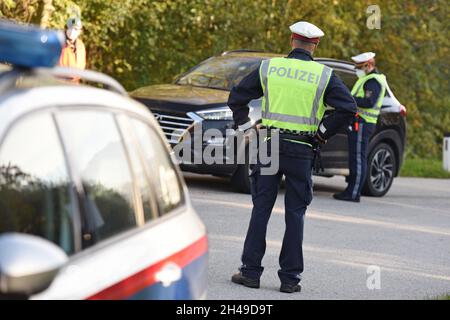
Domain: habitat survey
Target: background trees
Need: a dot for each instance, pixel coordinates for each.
(143, 42)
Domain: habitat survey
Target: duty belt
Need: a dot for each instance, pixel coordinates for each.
(301, 136)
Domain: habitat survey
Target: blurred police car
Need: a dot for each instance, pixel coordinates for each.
(91, 203)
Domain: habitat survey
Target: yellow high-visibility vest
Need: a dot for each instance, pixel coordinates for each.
(370, 114)
(293, 94)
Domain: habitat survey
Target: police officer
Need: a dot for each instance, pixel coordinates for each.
(368, 93)
(295, 90)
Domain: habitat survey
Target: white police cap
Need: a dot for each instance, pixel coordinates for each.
(306, 31)
(363, 57)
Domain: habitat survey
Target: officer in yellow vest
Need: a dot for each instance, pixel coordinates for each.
(368, 93)
(295, 91)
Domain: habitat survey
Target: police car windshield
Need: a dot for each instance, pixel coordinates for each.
(222, 72)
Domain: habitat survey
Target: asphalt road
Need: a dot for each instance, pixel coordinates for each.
(405, 234)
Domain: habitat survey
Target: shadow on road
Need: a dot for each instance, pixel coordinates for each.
(324, 187)
(223, 184)
(208, 182)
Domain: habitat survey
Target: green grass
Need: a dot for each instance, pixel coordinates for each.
(424, 168)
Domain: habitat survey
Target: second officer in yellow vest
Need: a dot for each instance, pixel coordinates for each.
(295, 90)
(368, 93)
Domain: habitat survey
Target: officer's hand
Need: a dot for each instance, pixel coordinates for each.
(246, 126)
(243, 126)
(319, 138)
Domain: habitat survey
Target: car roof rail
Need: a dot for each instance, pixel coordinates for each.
(87, 75)
(8, 79)
(334, 60)
(240, 50)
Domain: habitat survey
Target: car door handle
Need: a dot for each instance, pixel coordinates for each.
(168, 274)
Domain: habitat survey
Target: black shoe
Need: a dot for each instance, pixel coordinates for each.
(290, 288)
(344, 197)
(248, 282)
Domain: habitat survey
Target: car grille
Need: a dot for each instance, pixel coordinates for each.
(174, 126)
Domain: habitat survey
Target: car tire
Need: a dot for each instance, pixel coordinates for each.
(381, 169)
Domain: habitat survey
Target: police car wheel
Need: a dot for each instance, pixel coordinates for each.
(381, 169)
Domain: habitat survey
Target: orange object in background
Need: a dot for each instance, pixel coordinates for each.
(356, 122)
(73, 56)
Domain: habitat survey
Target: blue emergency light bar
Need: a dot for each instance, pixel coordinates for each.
(29, 47)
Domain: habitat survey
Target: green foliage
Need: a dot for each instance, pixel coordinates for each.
(21, 11)
(424, 168)
(142, 42)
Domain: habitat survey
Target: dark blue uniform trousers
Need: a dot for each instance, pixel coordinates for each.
(296, 164)
(358, 143)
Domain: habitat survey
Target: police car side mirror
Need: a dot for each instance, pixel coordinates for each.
(28, 264)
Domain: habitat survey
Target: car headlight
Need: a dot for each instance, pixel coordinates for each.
(223, 113)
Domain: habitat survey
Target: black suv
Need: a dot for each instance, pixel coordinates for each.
(199, 98)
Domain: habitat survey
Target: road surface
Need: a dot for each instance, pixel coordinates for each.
(404, 235)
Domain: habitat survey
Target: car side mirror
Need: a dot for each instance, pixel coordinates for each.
(28, 264)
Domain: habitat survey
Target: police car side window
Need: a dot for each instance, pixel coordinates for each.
(98, 157)
(168, 188)
(142, 175)
(34, 182)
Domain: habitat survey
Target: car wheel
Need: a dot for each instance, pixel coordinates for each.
(381, 168)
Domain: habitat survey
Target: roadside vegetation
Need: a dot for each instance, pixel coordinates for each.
(424, 168)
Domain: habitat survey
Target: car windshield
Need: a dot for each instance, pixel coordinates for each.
(222, 72)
